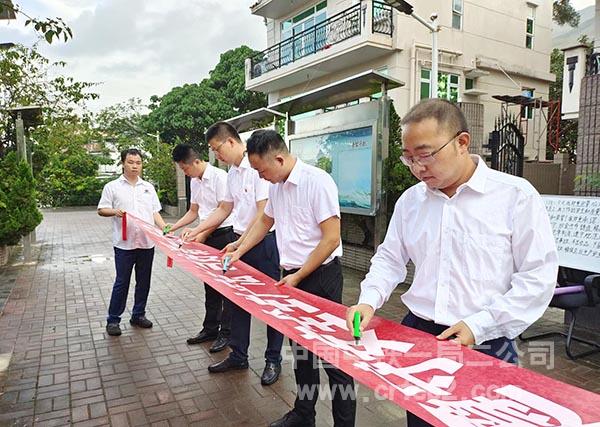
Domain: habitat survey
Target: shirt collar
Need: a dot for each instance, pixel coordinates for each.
(208, 172)
(477, 180)
(294, 177)
(140, 181)
(244, 164)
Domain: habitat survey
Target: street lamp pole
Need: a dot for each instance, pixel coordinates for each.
(433, 27)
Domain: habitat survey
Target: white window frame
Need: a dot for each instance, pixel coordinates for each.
(530, 36)
(458, 13)
(451, 85)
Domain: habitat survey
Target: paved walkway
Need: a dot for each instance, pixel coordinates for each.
(58, 366)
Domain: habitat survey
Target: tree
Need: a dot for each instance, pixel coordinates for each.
(49, 28)
(65, 171)
(19, 214)
(564, 13)
(229, 78)
(184, 113)
(124, 126)
(29, 78)
(396, 176)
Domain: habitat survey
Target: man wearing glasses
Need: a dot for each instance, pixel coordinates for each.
(485, 259)
(245, 199)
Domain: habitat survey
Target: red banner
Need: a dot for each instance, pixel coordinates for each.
(124, 226)
(441, 382)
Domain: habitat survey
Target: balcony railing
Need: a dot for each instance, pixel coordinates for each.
(382, 18)
(332, 31)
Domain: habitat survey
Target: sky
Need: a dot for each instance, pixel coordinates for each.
(140, 48)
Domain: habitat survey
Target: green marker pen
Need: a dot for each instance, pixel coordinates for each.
(356, 327)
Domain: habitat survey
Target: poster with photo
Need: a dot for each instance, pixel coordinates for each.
(347, 156)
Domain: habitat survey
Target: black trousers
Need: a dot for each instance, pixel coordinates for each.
(217, 319)
(327, 282)
(500, 348)
(265, 258)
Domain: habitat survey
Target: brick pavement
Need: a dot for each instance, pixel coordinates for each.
(65, 370)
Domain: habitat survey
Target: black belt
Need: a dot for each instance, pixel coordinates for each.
(220, 231)
(334, 261)
(268, 234)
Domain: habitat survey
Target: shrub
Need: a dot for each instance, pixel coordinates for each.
(19, 214)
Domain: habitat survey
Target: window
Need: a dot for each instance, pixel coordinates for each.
(469, 84)
(447, 85)
(307, 43)
(530, 26)
(527, 112)
(457, 14)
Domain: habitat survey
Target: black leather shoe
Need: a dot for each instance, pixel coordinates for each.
(291, 419)
(271, 373)
(113, 329)
(219, 344)
(141, 321)
(227, 365)
(202, 336)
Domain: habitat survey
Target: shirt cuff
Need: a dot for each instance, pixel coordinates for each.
(371, 297)
(481, 325)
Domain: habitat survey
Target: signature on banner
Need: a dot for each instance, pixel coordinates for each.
(502, 405)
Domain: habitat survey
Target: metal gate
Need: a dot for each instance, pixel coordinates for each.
(507, 145)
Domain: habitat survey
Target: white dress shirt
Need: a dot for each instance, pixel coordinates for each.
(207, 192)
(485, 256)
(245, 188)
(307, 198)
(140, 200)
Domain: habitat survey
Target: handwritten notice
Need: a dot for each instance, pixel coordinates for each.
(576, 227)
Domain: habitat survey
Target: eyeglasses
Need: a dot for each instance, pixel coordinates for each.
(425, 159)
(218, 147)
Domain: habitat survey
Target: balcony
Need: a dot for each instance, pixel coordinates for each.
(354, 36)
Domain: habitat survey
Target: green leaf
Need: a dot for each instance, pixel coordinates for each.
(49, 34)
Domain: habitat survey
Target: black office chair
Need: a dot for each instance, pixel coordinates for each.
(575, 289)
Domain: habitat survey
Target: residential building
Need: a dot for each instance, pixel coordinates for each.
(486, 48)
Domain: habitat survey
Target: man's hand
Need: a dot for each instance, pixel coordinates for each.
(168, 228)
(366, 314)
(201, 237)
(119, 212)
(291, 280)
(463, 333)
(234, 256)
(231, 247)
(187, 235)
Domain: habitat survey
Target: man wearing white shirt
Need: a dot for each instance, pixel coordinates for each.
(304, 205)
(484, 254)
(208, 186)
(246, 197)
(130, 194)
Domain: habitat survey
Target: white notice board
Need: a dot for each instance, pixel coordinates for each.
(576, 227)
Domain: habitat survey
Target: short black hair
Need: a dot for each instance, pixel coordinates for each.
(130, 152)
(184, 153)
(265, 141)
(222, 130)
(446, 113)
